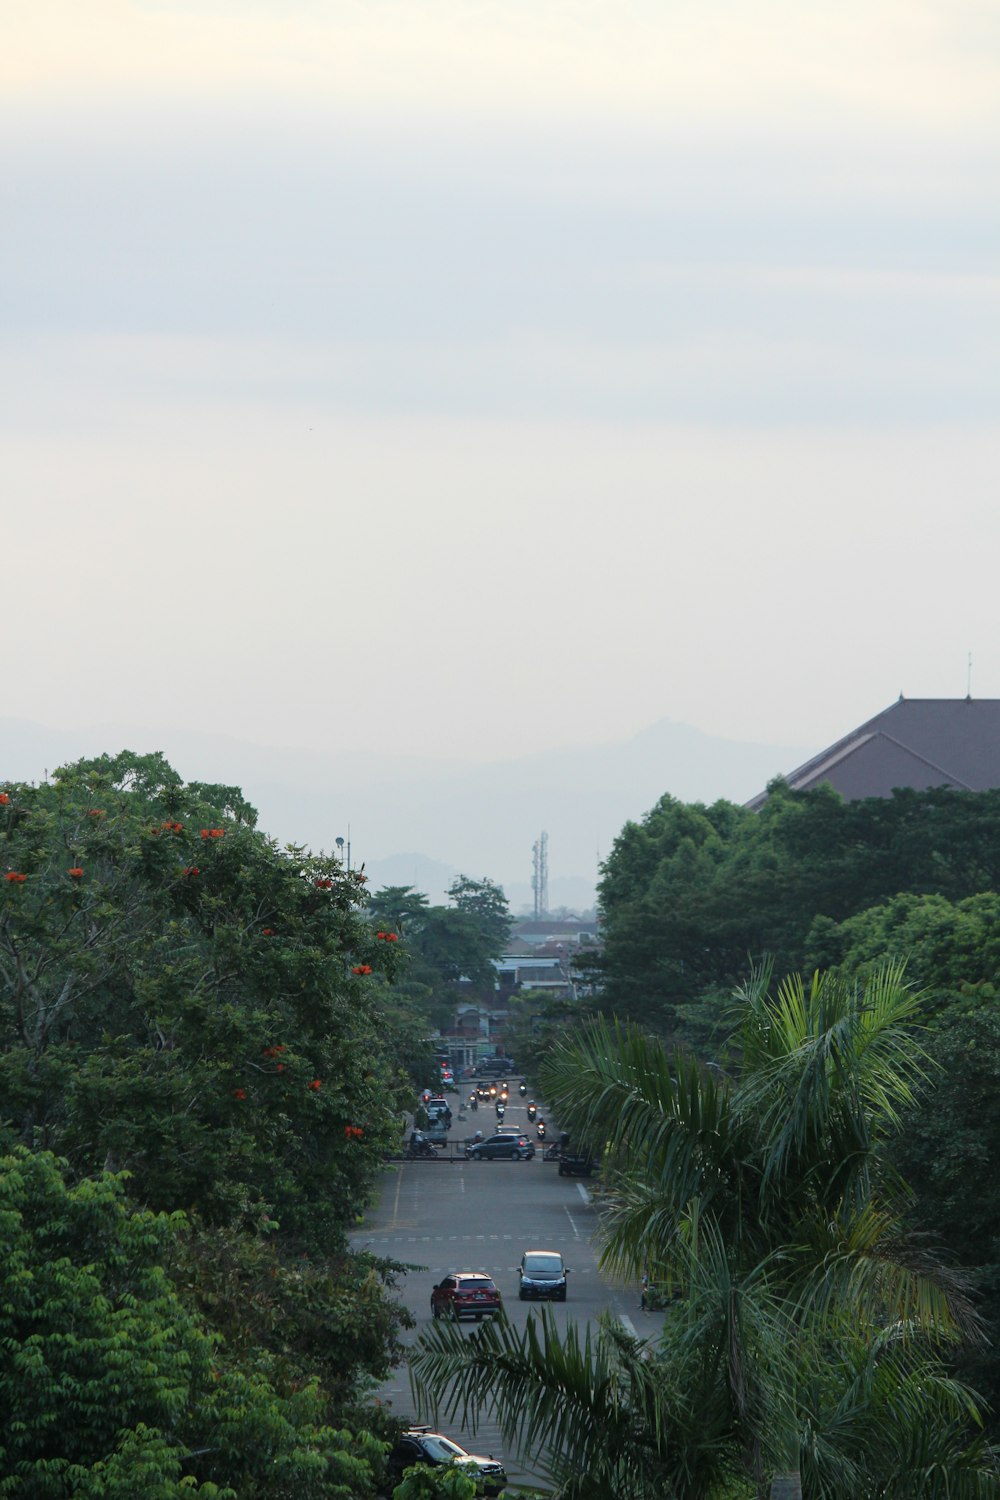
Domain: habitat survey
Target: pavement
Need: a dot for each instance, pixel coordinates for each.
(459, 1215)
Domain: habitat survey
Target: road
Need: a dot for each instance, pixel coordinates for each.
(480, 1216)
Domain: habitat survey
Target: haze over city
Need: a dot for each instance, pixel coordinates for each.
(481, 381)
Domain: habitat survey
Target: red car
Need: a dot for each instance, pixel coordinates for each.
(465, 1294)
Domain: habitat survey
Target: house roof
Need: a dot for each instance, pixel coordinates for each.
(918, 743)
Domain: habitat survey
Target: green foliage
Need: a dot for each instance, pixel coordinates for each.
(691, 892)
(485, 902)
(109, 1386)
(187, 1005)
(444, 944)
(185, 1001)
(423, 1483)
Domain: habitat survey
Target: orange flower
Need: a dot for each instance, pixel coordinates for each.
(362, 969)
(239, 1093)
(281, 1067)
(267, 932)
(15, 878)
(190, 870)
(324, 884)
(316, 1085)
(388, 937)
(353, 1132)
(96, 812)
(76, 872)
(216, 833)
(204, 833)
(4, 799)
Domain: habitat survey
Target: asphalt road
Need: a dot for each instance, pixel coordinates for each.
(479, 1216)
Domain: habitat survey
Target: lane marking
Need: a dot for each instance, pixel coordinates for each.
(395, 1204)
(628, 1325)
(576, 1232)
(583, 1192)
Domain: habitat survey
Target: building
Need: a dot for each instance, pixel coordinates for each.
(918, 743)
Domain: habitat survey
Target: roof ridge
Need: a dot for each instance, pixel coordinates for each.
(926, 760)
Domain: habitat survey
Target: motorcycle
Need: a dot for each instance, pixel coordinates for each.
(522, 1089)
(501, 1110)
(553, 1152)
(532, 1110)
(473, 1102)
(540, 1130)
(420, 1146)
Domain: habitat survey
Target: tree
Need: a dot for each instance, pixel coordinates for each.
(484, 901)
(809, 1325)
(109, 1386)
(690, 892)
(180, 997)
(185, 1001)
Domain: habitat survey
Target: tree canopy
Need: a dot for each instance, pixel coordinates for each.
(202, 1014)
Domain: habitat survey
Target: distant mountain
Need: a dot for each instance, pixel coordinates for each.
(468, 818)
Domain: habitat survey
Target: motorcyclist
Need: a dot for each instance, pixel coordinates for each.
(522, 1088)
(473, 1102)
(532, 1109)
(540, 1130)
(501, 1109)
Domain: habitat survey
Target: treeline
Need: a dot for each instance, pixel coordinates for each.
(692, 894)
(203, 1063)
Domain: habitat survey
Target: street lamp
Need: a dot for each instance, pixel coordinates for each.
(340, 850)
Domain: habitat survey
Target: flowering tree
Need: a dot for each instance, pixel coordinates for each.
(184, 1001)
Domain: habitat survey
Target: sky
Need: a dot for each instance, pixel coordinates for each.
(479, 377)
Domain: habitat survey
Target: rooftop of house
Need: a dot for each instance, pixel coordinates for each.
(916, 742)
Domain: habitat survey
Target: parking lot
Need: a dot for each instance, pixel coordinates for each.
(457, 1215)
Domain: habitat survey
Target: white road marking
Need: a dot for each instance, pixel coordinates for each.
(576, 1232)
(583, 1192)
(628, 1325)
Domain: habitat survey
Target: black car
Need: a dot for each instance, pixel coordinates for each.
(543, 1274)
(418, 1445)
(576, 1164)
(502, 1147)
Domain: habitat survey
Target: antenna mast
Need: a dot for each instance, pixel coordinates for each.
(540, 874)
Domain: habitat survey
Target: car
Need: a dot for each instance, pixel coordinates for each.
(501, 1148)
(418, 1445)
(542, 1273)
(576, 1164)
(465, 1294)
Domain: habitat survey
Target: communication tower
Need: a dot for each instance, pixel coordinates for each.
(540, 874)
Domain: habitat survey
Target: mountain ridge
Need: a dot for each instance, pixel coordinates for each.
(475, 818)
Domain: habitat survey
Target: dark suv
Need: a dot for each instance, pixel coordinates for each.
(502, 1147)
(421, 1446)
(465, 1294)
(543, 1274)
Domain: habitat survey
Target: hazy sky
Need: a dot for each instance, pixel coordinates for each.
(484, 377)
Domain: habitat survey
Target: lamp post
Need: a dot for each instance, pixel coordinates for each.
(340, 849)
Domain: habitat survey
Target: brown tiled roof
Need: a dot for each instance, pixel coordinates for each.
(917, 742)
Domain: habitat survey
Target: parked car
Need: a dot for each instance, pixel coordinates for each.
(502, 1148)
(418, 1445)
(576, 1164)
(465, 1294)
(542, 1274)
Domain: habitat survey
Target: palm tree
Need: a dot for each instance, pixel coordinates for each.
(808, 1312)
